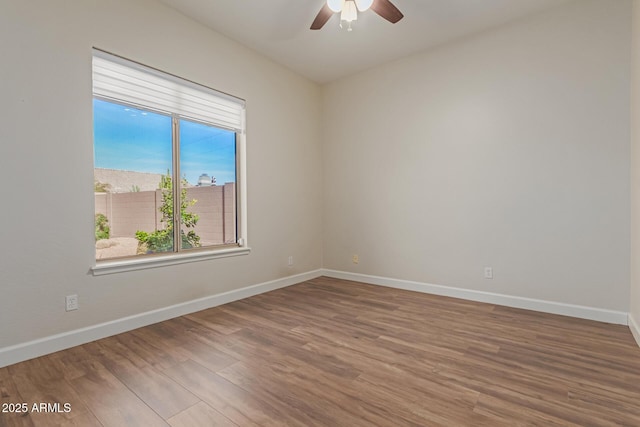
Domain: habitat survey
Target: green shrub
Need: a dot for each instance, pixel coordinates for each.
(101, 187)
(102, 227)
(162, 240)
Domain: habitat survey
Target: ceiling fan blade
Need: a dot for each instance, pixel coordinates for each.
(387, 10)
(322, 18)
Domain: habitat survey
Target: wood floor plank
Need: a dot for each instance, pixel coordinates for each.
(113, 404)
(151, 349)
(193, 341)
(48, 394)
(498, 409)
(302, 396)
(110, 400)
(163, 395)
(233, 402)
(331, 352)
(9, 395)
(200, 414)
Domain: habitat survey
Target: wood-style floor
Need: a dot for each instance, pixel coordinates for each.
(335, 353)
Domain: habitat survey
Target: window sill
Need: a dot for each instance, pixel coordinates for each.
(119, 266)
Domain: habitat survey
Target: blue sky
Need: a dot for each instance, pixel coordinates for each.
(127, 138)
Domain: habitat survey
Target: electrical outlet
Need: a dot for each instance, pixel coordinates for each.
(488, 273)
(355, 258)
(72, 302)
(290, 261)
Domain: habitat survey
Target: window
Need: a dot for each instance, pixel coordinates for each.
(168, 168)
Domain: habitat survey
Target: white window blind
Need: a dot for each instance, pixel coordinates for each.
(117, 79)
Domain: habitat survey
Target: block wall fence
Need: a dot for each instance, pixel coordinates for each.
(130, 212)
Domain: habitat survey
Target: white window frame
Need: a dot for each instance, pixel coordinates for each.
(116, 79)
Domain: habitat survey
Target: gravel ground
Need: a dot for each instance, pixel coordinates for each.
(116, 247)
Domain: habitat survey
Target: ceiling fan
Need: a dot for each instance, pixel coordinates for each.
(348, 10)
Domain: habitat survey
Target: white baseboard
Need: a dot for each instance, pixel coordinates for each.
(51, 344)
(635, 329)
(591, 313)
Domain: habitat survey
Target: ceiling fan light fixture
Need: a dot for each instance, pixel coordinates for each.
(336, 5)
(349, 11)
(364, 4)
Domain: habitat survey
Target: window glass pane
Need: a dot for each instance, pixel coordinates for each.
(132, 164)
(208, 168)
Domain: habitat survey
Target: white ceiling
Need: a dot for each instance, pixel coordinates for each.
(279, 29)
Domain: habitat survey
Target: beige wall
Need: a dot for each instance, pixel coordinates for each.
(46, 148)
(509, 149)
(634, 308)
